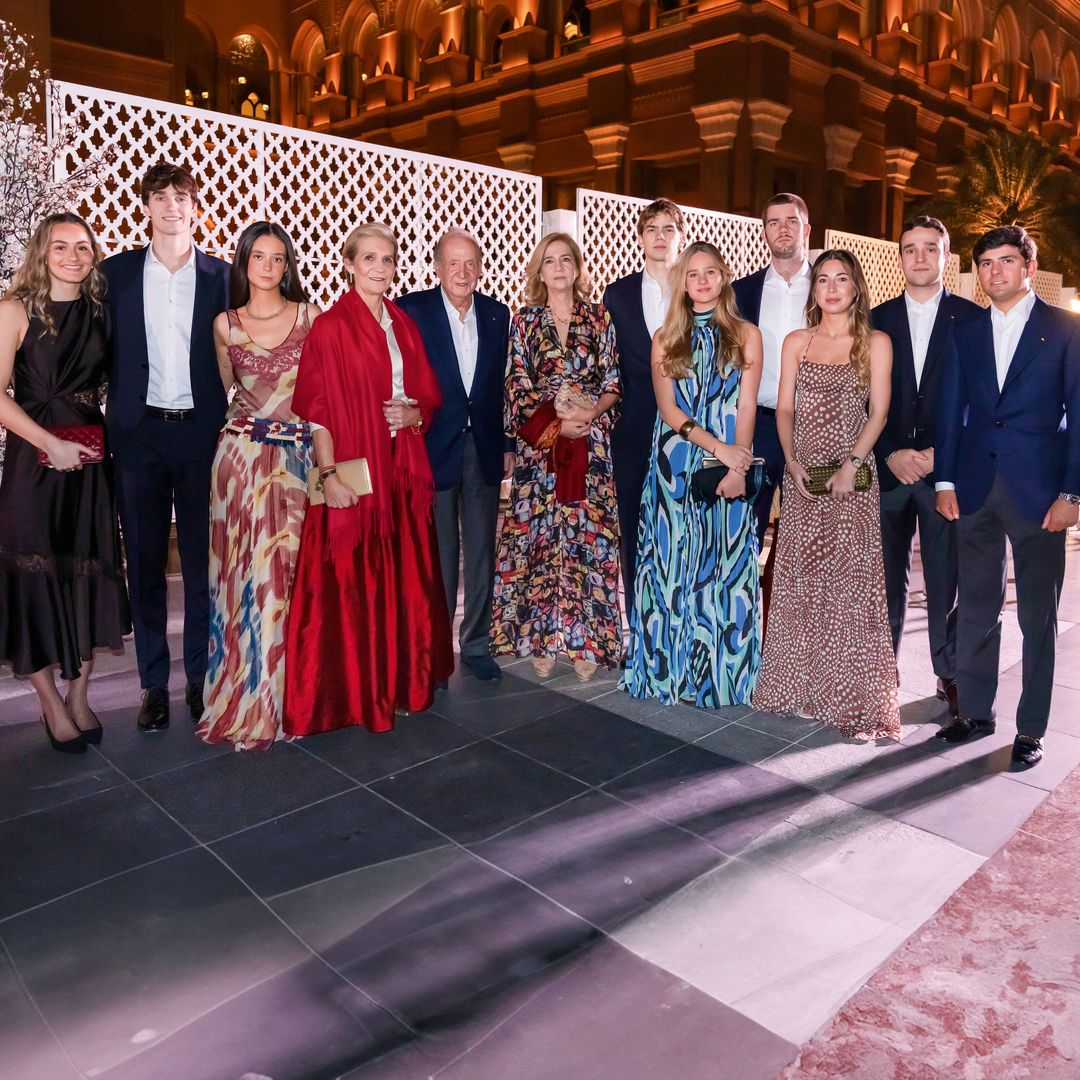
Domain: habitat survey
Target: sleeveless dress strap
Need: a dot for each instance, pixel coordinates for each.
(809, 343)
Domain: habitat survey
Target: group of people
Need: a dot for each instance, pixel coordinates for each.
(333, 472)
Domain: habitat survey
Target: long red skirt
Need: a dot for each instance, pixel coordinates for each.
(368, 633)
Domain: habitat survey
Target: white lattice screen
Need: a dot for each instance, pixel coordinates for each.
(607, 232)
(880, 266)
(316, 186)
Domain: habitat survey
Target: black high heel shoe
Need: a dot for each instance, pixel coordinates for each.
(90, 735)
(64, 746)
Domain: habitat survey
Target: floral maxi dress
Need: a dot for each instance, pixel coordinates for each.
(557, 569)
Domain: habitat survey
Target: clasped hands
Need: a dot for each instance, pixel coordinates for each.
(576, 420)
(401, 413)
(911, 466)
(738, 460)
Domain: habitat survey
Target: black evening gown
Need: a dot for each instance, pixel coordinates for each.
(62, 590)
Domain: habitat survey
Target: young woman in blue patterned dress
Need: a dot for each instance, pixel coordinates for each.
(695, 631)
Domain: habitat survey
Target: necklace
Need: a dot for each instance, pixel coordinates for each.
(559, 319)
(272, 315)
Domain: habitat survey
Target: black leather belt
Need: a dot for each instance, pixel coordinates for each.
(766, 410)
(170, 416)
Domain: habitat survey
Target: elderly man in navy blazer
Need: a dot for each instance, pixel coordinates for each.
(1008, 468)
(919, 323)
(774, 300)
(637, 304)
(166, 407)
(466, 335)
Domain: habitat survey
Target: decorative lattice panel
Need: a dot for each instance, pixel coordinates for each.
(318, 187)
(607, 233)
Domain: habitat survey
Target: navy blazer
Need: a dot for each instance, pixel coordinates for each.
(632, 433)
(130, 368)
(912, 417)
(748, 292)
(482, 407)
(1020, 432)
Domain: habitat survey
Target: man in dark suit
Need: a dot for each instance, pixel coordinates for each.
(166, 407)
(638, 304)
(1008, 467)
(774, 300)
(466, 335)
(919, 323)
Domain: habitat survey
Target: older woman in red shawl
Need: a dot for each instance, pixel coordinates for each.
(368, 629)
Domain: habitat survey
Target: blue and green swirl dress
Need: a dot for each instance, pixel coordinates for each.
(695, 632)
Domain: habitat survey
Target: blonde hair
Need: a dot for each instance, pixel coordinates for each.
(535, 289)
(858, 313)
(32, 284)
(369, 228)
(675, 333)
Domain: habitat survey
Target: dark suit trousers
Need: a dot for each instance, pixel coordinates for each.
(165, 464)
(466, 518)
(902, 508)
(630, 470)
(767, 446)
(1039, 566)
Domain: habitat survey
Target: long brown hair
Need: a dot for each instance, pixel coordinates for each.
(858, 314)
(535, 289)
(32, 284)
(679, 322)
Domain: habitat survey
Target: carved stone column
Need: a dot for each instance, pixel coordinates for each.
(899, 161)
(518, 156)
(767, 120)
(608, 141)
(718, 124)
(840, 143)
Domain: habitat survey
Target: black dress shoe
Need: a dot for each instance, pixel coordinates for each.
(76, 745)
(193, 697)
(964, 728)
(946, 691)
(483, 667)
(91, 735)
(1027, 750)
(154, 711)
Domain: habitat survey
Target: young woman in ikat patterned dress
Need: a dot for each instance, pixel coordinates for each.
(695, 631)
(828, 648)
(557, 570)
(258, 491)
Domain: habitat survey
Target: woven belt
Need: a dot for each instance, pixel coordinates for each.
(262, 430)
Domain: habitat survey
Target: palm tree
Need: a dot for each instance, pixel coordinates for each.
(1010, 179)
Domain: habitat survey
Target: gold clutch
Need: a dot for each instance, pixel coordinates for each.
(820, 474)
(354, 473)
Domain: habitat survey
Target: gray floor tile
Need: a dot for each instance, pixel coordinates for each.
(365, 757)
(1064, 705)
(742, 743)
(685, 721)
(339, 834)
(496, 710)
(601, 858)
(589, 743)
(134, 958)
(719, 799)
(235, 791)
(67, 847)
(33, 776)
(651, 1025)
(784, 726)
(477, 791)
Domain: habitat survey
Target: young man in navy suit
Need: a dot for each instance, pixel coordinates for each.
(774, 300)
(638, 304)
(919, 323)
(466, 335)
(1008, 468)
(166, 407)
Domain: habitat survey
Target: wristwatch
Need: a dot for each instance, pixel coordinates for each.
(856, 460)
(1073, 500)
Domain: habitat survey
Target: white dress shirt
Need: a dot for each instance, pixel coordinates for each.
(783, 309)
(466, 340)
(921, 316)
(655, 301)
(168, 309)
(1007, 327)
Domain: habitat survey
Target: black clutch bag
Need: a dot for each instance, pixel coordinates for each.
(704, 482)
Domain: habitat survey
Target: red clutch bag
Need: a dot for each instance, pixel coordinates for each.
(92, 436)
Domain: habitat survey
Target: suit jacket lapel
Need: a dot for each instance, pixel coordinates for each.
(638, 307)
(1028, 345)
(131, 308)
(904, 354)
(448, 358)
(487, 340)
(939, 335)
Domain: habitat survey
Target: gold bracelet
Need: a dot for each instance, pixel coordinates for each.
(687, 427)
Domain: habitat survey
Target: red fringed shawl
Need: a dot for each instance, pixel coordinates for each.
(342, 381)
(568, 459)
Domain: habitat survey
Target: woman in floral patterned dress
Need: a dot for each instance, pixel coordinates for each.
(557, 572)
(258, 491)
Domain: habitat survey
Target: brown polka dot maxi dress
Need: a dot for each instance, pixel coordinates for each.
(828, 652)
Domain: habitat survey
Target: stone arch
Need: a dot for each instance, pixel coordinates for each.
(497, 21)
(1006, 37)
(250, 83)
(1042, 57)
(360, 28)
(199, 62)
(1070, 76)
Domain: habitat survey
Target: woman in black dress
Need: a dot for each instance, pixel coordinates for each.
(62, 592)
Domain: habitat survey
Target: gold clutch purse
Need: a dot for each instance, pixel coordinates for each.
(354, 473)
(820, 474)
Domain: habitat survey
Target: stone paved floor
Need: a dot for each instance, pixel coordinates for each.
(526, 882)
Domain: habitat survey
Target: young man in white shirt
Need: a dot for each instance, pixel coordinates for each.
(1007, 468)
(774, 299)
(919, 323)
(166, 406)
